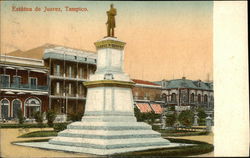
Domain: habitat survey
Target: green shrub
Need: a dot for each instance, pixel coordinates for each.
(75, 117)
(38, 117)
(186, 118)
(145, 117)
(20, 116)
(138, 115)
(152, 116)
(171, 119)
(50, 116)
(156, 127)
(202, 117)
(60, 126)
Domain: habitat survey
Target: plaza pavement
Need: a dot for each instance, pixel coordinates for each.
(9, 150)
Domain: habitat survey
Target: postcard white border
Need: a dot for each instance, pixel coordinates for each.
(231, 79)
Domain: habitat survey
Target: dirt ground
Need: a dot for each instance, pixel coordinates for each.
(8, 150)
(9, 135)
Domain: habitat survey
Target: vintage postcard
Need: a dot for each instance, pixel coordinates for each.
(121, 79)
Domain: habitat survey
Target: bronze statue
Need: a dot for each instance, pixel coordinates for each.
(111, 21)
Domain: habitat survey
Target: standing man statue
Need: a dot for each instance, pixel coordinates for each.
(111, 21)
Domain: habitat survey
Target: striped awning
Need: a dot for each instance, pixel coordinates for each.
(144, 107)
(157, 108)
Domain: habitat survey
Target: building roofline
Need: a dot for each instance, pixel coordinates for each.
(58, 45)
(17, 57)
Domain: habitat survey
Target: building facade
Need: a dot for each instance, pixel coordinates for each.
(147, 96)
(59, 72)
(52, 77)
(186, 94)
(23, 86)
(68, 69)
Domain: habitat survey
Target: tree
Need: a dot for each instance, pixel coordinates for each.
(186, 118)
(38, 117)
(20, 116)
(202, 116)
(139, 116)
(171, 119)
(151, 117)
(75, 116)
(50, 116)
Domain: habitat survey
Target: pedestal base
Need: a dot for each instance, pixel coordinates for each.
(47, 146)
(98, 133)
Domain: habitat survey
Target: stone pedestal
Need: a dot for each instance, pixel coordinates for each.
(109, 125)
(208, 123)
(195, 119)
(163, 122)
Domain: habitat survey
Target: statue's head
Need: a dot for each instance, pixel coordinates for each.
(111, 5)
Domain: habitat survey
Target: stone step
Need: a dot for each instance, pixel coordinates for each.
(106, 134)
(109, 119)
(109, 126)
(108, 143)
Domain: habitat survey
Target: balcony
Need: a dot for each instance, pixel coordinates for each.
(141, 98)
(56, 96)
(193, 102)
(24, 87)
(172, 102)
(67, 77)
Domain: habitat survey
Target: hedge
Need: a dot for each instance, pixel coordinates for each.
(39, 134)
(199, 148)
(184, 134)
(60, 127)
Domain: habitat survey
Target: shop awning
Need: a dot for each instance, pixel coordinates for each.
(157, 108)
(144, 107)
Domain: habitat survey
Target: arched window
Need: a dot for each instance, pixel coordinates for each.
(16, 106)
(199, 98)
(5, 104)
(32, 105)
(173, 97)
(164, 97)
(205, 98)
(192, 97)
(212, 98)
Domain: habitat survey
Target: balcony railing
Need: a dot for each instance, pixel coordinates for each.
(172, 102)
(58, 74)
(193, 102)
(24, 87)
(68, 77)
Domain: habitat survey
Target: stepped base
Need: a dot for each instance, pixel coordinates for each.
(48, 146)
(101, 134)
(105, 135)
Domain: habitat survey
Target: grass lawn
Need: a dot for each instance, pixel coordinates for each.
(39, 134)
